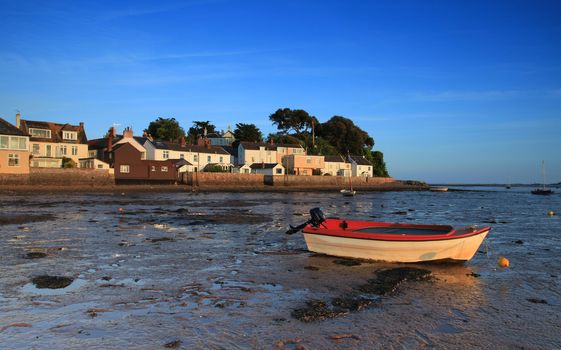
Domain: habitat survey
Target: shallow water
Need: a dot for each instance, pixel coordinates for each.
(216, 271)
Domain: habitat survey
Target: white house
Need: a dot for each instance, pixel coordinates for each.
(267, 168)
(361, 166)
(260, 152)
(198, 156)
(336, 166)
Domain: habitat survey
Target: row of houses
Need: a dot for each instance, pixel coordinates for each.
(142, 158)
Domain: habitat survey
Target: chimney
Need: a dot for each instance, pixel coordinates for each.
(82, 125)
(127, 133)
(110, 141)
(200, 141)
(18, 120)
(112, 131)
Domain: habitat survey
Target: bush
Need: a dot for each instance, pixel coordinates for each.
(68, 163)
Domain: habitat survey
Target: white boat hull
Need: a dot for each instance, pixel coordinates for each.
(461, 249)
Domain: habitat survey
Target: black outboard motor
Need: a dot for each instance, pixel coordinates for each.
(316, 217)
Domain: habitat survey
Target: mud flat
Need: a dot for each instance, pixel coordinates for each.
(209, 270)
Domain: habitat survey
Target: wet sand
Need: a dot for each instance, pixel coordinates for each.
(189, 270)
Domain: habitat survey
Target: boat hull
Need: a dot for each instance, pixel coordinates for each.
(458, 249)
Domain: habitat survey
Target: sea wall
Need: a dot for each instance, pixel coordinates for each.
(60, 177)
(224, 180)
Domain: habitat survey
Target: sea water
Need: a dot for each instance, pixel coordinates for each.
(217, 271)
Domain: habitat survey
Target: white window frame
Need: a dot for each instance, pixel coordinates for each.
(69, 135)
(63, 150)
(74, 150)
(34, 130)
(16, 143)
(124, 169)
(165, 154)
(164, 169)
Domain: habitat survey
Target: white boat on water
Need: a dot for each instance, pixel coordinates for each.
(439, 189)
(348, 193)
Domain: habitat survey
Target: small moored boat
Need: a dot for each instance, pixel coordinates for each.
(439, 189)
(348, 193)
(391, 242)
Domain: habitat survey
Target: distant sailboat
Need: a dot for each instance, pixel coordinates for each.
(543, 190)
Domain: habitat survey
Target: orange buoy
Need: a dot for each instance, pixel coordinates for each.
(503, 262)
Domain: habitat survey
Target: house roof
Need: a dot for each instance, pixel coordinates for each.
(360, 160)
(9, 129)
(232, 150)
(102, 143)
(263, 165)
(56, 131)
(268, 146)
(180, 162)
(335, 159)
(172, 146)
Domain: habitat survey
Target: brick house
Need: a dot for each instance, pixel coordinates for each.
(130, 167)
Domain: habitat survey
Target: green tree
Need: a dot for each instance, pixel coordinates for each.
(297, 120)
(378, 163)
(165, 129)
(248, 132)
(198, 130)
(345, 136)
(283, 138)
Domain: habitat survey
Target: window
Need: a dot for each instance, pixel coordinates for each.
(124, 169)
(309, 160)
(63, 150)
(166, 154)
(36, 150)
(208, 159)
(4, 142)
(69, 135)
(181, 156)
(42, 133)
(153, 168)
(100, 166)
(279, 171)
(13, 159)
(74, 150)
(164, 169)
(221, 159)
(13, 142)
(48, 150)
(195, 158)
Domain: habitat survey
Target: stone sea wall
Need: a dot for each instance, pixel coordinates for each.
(222, 180)
(60, 177)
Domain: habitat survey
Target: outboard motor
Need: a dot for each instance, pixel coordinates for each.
(316, 217)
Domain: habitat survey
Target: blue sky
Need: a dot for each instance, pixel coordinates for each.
(451, 91)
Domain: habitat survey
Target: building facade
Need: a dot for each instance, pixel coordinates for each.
(14, 149)
(336, 166)
(50, 142)
(303, 164)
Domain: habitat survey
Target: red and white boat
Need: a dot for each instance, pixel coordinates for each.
(391, 242)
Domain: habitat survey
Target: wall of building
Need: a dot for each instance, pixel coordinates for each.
(22, 168)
